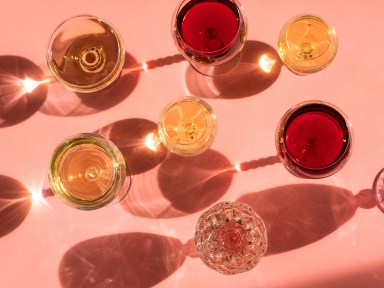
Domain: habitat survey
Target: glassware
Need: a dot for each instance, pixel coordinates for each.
(210, 34)
(307, 44)
(230, 237)
(187, 126)
(86, 54)
(314, 139)
(378, 190)
(87, 172)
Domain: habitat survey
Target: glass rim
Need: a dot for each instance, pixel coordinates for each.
(219, 52)
(105, 82)
(119, 175)
(212, 134)
(333, 44)
(378, 203)
(281, 130)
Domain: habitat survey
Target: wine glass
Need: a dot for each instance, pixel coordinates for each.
(307, 44)
(230, 237)
(378, 190)
(86, 54)
(210, 34)
(314, 139)
(187, 126)
(87, 171)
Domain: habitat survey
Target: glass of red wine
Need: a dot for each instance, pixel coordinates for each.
(230, 238)
(210, 34)
(314, 139)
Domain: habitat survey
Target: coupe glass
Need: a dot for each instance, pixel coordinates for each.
(86, 54)
(230, 237)
(87, 171)
(314, 139)
(187, 126)
(307, 44)
(210, 34)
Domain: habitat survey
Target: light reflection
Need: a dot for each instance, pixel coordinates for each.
(152, 142)
(237, 167)
(14, 88)
(266, 63)
(144, 66)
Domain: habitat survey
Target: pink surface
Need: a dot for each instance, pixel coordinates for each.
(322, 233)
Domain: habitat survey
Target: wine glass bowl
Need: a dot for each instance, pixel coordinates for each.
(210, 34)
(187, 126)
(307, 44)
(314, 139)
(86, 54)
(378, 190)
(87, 171)
(230, 238)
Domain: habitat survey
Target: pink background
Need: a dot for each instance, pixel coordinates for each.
(318, 235)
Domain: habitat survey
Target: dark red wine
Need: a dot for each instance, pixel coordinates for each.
(209, 26)
(316, 136)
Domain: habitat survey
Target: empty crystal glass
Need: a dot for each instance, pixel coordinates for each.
(230, 237)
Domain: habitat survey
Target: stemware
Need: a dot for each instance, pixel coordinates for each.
(87, 171)
(210, 34)
(307, 44)
(378, 190)
(314, 139)
(230, 237)
(86, 53)
(187, 126)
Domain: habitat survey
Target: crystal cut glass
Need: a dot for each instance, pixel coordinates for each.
(230, 237)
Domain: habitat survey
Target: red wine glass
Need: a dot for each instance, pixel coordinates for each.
(314, 139)
(210, 34)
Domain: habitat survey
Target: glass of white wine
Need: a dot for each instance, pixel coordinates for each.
(187, 126)
(86, 53)
(307, 44)
(87, 172)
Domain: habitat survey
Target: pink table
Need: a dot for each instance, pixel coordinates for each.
(320, 234)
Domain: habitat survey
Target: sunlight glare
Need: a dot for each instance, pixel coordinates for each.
(152, 142)
(28, 84)
(266, 63)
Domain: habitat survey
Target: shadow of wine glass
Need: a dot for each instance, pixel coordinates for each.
(300, 214)
(21, 90)
(257, 70)
(135, 260)
(136, 139)
(186, 185)
(15, 203)
(63, 102)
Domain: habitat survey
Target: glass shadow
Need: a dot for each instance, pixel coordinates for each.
(136, 139)
(259, 67)
(299, 214)
(15, 203)
(185, 185)
(21, 90)
(122, 260)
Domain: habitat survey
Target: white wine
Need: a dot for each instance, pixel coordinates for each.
(86, 54)
(87, 171)
(307, 44)
(187, 126)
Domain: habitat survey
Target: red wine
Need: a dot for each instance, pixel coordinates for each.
(316, 136)
(209, 26)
